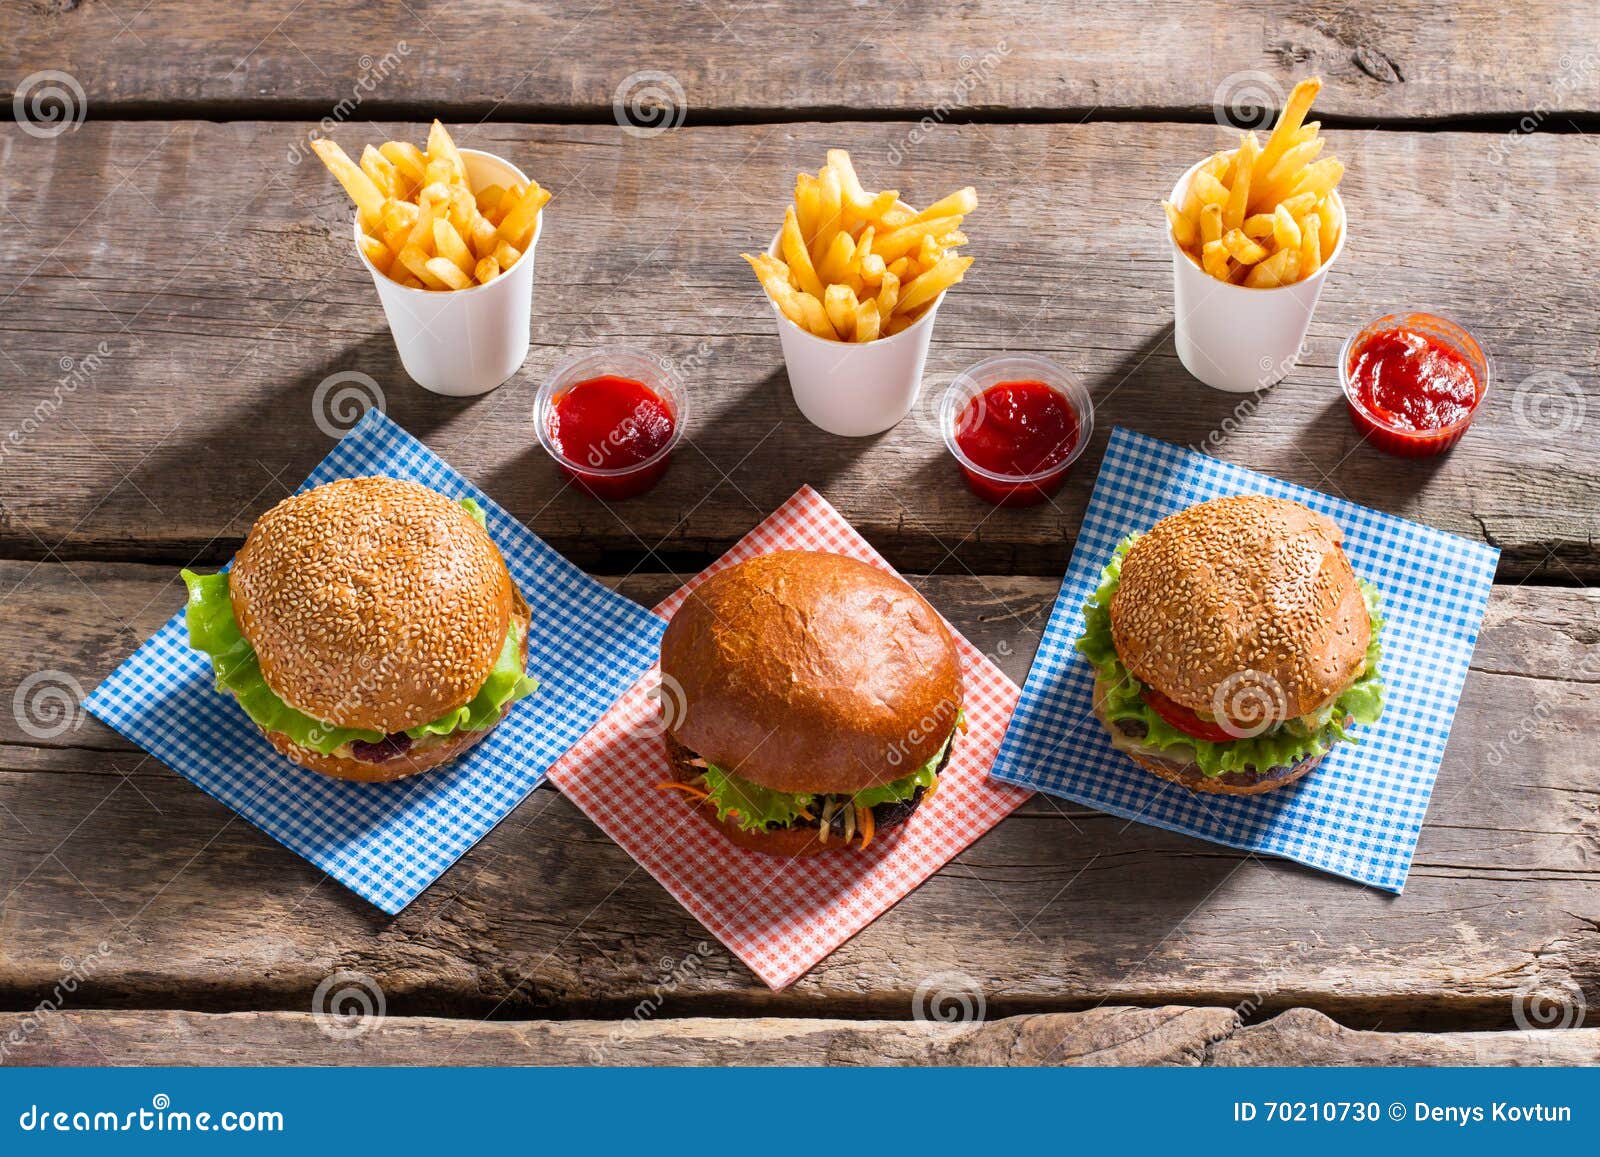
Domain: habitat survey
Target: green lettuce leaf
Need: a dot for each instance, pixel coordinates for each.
(506, 684)
(1295, 740)
(214, 631)
(759, 808)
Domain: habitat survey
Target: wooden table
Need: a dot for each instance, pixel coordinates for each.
(175, 289)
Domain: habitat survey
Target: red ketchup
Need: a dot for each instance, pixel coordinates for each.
(1018, 430)
(616, 427)
(1411, 392)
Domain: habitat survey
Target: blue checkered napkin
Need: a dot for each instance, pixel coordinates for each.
(387, 842)
(1359, 814)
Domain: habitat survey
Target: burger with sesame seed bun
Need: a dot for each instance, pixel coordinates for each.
(1233, 646)
(369, 628)
(811, 702)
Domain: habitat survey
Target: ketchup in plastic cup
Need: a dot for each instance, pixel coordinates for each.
(1015, 425)
(1413, 382)
(610, 419)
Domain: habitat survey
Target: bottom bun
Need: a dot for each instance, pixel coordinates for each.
(423, 755)
(793, 841)
(419, 758)
(1187, 772)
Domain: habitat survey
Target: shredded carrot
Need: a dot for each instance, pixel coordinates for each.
(927, 795)
(694, 791)
(962, 723)
(806, 815)
(865, 822)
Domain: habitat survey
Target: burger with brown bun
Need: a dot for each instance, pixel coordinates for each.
(1233, 646)
(369, 628)
(811, 702)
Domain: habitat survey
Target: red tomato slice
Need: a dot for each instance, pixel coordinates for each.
(1183, 719)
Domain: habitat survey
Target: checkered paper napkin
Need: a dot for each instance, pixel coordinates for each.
(387, 842)
(1357, 815)
(780, 916)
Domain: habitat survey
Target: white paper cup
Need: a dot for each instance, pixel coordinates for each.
(1238, 339)
(463, 342)
(854, 388)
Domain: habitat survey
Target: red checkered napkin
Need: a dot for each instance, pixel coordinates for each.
(782, 916)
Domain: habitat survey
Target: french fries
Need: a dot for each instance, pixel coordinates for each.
(421, 223)
(1263, 215)
(854, 265)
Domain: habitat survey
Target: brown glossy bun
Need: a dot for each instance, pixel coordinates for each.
(1242, 593)
(1168, 765)
(811, 672)
(790, 842)
(420, 756)
(372, 603)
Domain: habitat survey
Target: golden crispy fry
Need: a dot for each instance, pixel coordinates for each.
(1289, 122)
(1282, 268)
(442, 148)
(518, 224)
(1285, 229)
(867, 321)
(1332, 223)
(1241, 248)
(1258, 225)
(406, 158)
(1310, 243)
(356, 183)
(506, 254)
(1243, 214)
(792, 244)
(1214, 259)
(380, 172)
(932, 283)
(841, 303)
(1233, 211)
(888, 294)
(855, 264)
(416, 260)
(448, 272)
(420, 216)
(447, 243)
(807, 205)
(376, 252)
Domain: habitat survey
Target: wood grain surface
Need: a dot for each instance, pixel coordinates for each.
(1167, 1036)
(109, 859)
(184, 332)
(176, 293)
(1407, 60)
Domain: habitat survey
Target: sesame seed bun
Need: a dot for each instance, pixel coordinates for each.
(1171, 764)
(1247, 592)
(372, 603)
(420, 756)
(810, 672)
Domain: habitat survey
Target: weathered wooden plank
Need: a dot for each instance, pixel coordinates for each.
(1411, 59)
(1304, 1037)
(1104, 1036)
(1107, 1036)
(1060, 908)
(222, 288)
